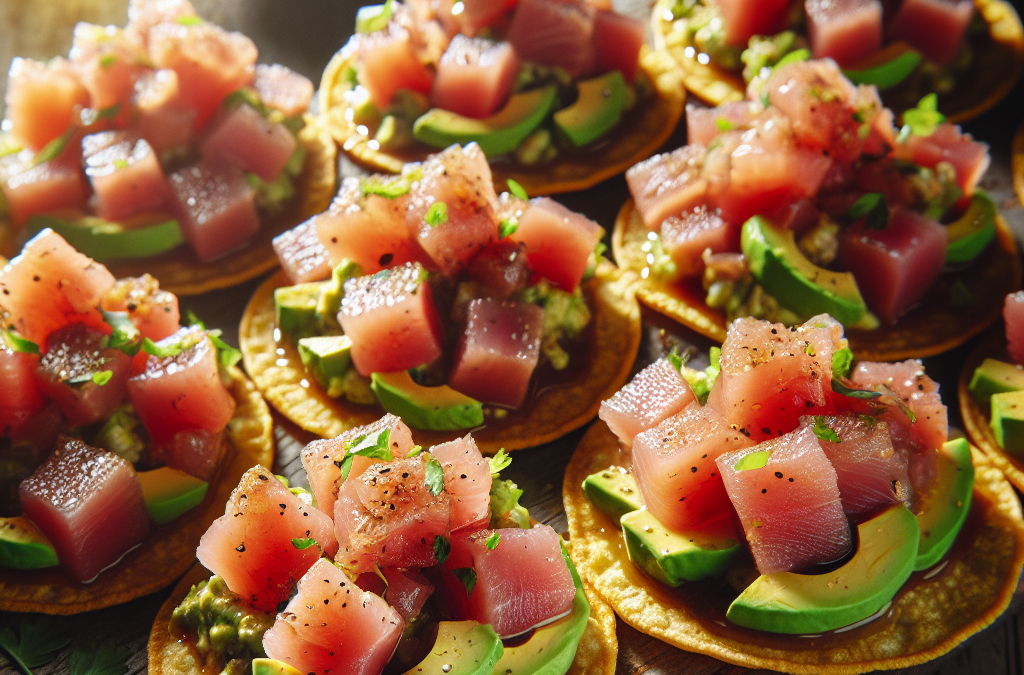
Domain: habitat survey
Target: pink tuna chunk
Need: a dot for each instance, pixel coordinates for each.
(43, 99)
(896, 266)
(20, 397)
(918, 394)
(44, 188)
(160, 115)
(387, 62)
(478, 14)
(848, 31)
(947, 143)
(467, 480)
(108, 61)
(126, 177)
(498, 351)
(332, 626)
(668, 184)
(475, 76)
(789, 506)
(153, 311)
(704, 124)
(685, 239)
(88, 503)
(1013, 315)
(196, 452)
(216, 208)
(391, 320)
(558, 241)
(303, 258)
(618, 40)
(933, 27)
(256, 144)
(743, 19)
(501, 268)
(674, 466)
(251, 547)
(407, 591)
(656, 393)
(283, 89)
(555, 34)
(145, 14)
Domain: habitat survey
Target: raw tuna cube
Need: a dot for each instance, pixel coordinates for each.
(467, 480)
(618, 40)
(498, 351)
(391, 319)
(668, 184)
(656, 393)
(1013, 315)
(475, 76)
(89, 504)
(44, 188)
(20, 397)
(460, 178)
(501, 268)
(183, 392)
(251, 547)
(389, 516)
(478, 14)
(674, 466)
(196, 452)
(247, 138)
(216, 208)
(743, 19)
(918, 393)
(685, 239)
(303, 258)
(153, 311)
(848, 31)
(948, 144)
(210, 62)
(407, 591)
(933, 27)
(51, 285)
(66, 373)
(43, 99)
(283, 89)
(319, 458)
(161, 117)
(896, 266)
(39, 431)
(704, 124)
(555, 34)
(126, 177)
(558, 241)
(387, 62)
(108, 62)
(786, 495)
(331, 626)
(144, 14)
(521, 583)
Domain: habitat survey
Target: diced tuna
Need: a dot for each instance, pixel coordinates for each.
(391, 319)
(934, 27)
(498, 351)
(501, 268)
(558, 241)
(919, 418)
(479, 14)
(39, 431)
(947, 143)
(674, 466)
(685, 239)
(704, 124)
(618, 39)
(145, 14)
(743, 19)
(43, 99)
(303, 258)
(89, 504)
(848, 31)
(786, 495)
(108, 62)
(283, 89)
(1013, 315)
(197, 452)
(656, 393)
(407, 592)
(467, 480)
(668, 184)
(20, 397)
(896, 266)
(216, 207)
(242, 135)
(161, 116)
(555, 34)
(387, 61)
(475, 76)
(126, 177)
(153, 311)
(44, 188)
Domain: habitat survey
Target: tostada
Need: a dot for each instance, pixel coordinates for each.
(788, 509)
(120, 432)
(162, 147)
(559, 95)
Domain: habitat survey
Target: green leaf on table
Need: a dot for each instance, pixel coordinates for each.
(37, 642)
(108, 659)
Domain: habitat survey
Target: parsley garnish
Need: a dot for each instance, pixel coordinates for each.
(843, 390)
(108, 659)
(724, 124)
(375, 445)
(124, 335)
(162, 352)
(842, 361)
(517, 190)
(434, 476)
(467, 575)
(38, 640)
(227, 355)
(102, 377)
(922, 120)
(507, 228)
(20, 344)
(499, 462)
(492, 541)
(189, 21)
(303, 544)
(390, 188)
(194, 320)
(107, 60)
(417, 449)
(441, 549)
(437, 214)
(823, 431)
(872, 208)
(676, 359)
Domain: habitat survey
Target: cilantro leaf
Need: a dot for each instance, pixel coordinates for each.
(194, 320)
(507, 228)
(53, 149)
(676, 359)
(517, 190)
(38, 640)
(492, 541)
(102, 377)
(162, 352)
(303, 544)
(417, 449)
(227, 355)
(376, 445)
(388, 188)
(467, 575)
(20, 344)
(823, 431)
(843, 390)
(504, 506)
(441, 549)
(124, 336)
(434, 476)
(724, 125)
(499, 462)
(437, 214)
(108, 659)
(922, 120)
(842, 361)
(189, 21)
(374, 18)
(873, 209)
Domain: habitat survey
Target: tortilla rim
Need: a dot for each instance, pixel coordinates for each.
(645, 136)
(182, 273)
(905, 340)
(279, 374)
(715, 86)
(1017, 163)
(602, 561)
(168, 550)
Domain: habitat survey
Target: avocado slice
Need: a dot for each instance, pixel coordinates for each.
(104, 241)
(23, 546)
(332, 292)
(272, 667)
(786, 273)
(329, 359)
(1008, 421)
(946, 509)
(295, 307)
(891, 66)
(674, 557)
(598, 108)
(498, 134)
(995, 377)
(438, 408)
(809, 604)
(461, 648)
(168, 493)
(973, 231)
(613, 491)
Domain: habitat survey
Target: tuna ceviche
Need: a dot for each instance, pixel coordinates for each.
(413, 560)
(442, 295)
(111, 412)
(527, 79)
(809, 490)
(805, 199)
(997, 386)
(161, 132)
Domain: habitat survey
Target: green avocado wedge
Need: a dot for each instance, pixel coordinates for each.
(597, 109)
(810, 604)
(995, 377)
(272, 667)
(461, 648)
(296, 309)
(1008, 421)
(889, 73)
(23, 546)
(972, 232)
(613, 491)
(677, 557)
(104, 241)
(436, 408)
(328, 358)
(947, 506)
(168, 493)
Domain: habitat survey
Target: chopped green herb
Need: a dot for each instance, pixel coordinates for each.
(507, 227)
(108, 659)
(517, 190)
(492, 541)
(389, 188)
(38, 640)
(755, 460)
(102, 377)
(53, 149)
(189, 21)
(124, 335)
(194, 320)
(162, 352)
(843, 390)
(376, 445)
(417, 449)
(842, 361)
(467, 575)
(227, 355)
(20, 344)
(107, 60)
(437, 214)
(724, 124)
(303, 544)
(676, 359)
(499, 462)
(434, 476)
(441, 549)
(823, 431)
(374, 22)
(867, 420)
(922, 120)
(872, 208)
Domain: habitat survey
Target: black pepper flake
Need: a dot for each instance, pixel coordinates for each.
(778, 474)
(764, 491)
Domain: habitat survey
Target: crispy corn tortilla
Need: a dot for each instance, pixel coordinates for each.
(998, 63)
(614, 340)
(932, 618)
(1017, 163)
(637, 137)
(168, 550)
(938, 324)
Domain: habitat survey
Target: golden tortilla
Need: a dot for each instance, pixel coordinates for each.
(638, 136)
(612, 340)
(927, 619)
(168, 550)
(998, 63)
(1017, 163)
(959, 305)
